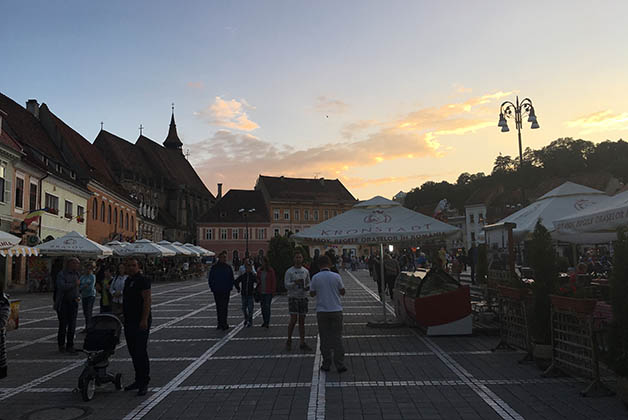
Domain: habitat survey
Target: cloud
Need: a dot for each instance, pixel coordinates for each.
(458, 88)
(238, 158)
(229, 114)
(600, 121)
(330, 105)
(195, 85)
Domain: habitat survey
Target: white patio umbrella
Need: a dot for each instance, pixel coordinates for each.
(178, 250)
(194, 249)
(145, 248)
(76, 245)
(202, 251)
(7, 240)
(596, 224)
(376, 221)
(568, 198)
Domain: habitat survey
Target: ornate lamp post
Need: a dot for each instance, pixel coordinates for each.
(245, 213)
(517, 111)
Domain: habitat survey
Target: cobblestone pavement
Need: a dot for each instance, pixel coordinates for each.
(246, 373)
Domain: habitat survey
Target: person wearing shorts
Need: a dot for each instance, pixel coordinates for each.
(297, 282)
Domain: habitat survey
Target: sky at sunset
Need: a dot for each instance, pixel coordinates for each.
(383, 95)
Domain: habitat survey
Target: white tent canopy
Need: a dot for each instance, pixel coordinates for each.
(193, 251)
(76, 245)
(178, 250)
(376, 221)
(202, 251)
(145, 248)
(566, 199)
(7, 240)
(596, 223)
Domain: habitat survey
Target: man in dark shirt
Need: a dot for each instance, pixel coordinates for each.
(221, 283)
(136, 301)
(66, 304)
(246, 284)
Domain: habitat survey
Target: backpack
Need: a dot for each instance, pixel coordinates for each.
(390, 267)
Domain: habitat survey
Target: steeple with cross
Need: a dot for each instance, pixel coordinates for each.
(173, 142)
(141, 129)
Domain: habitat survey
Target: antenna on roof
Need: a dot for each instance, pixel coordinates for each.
(187, 154)
(141, 129)
(101, 125)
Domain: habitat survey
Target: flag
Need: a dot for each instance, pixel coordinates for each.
(33, 215)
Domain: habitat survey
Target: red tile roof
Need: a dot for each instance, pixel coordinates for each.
(304, 189)
(226, 209)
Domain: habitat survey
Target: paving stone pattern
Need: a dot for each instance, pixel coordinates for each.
(246, 373)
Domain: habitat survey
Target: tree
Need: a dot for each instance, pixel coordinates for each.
(503, 164)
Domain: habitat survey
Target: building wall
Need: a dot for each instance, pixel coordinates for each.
(59, 225)
(100, 227)
(475, 217)
(235, 239)
(295, 220)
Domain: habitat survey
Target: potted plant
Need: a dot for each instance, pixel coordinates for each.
(618, 340)
(543, 262)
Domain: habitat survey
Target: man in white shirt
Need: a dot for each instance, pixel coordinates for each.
(297, 282)
(327, 286)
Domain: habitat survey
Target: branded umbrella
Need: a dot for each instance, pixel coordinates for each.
(145, 248)
(76, 245)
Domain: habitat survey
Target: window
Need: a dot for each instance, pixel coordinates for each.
(260, 233)
(19, 192)
(209, 234)
(95, 209)
(276, 214)
(471, 218)
(127, 221)
(296, 215)
(481, 218)
(109, 215)
(223, 234)
(473, 236)
(306, 215)
(102, 211)
(335, 213)
(296, 231)
(276, 232)
(326, 213)
(133, 223)
(316, 215)
(80, 211)
(286, 215)
(3, 182)
(52, 204)
(68, 209)
(32, 197)
(115, 217)
(234, 233)
(286, 232)
(121, 219)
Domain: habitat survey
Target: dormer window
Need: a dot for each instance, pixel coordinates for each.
(73, 175)
(58, 167)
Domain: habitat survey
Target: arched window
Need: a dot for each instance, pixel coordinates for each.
(127, 221)
(132, 224)
(115, 217)
(121, 219)
(109, 215)
(102, 211)
(95, 209)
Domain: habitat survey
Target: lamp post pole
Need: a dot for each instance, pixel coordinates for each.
(517, 111)
(245, 214)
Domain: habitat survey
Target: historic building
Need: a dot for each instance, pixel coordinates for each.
(224, 227)
(170, 194)
(298, 203)
(110, 213)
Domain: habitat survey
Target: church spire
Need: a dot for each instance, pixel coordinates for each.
(172, 141)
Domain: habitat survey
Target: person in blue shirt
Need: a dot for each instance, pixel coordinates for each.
(221, 283)
(87, 287)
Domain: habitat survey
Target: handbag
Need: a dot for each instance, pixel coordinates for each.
(256, 296)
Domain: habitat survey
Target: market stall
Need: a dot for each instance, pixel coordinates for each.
(377, 221)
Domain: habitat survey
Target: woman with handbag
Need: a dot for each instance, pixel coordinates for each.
(266, 286)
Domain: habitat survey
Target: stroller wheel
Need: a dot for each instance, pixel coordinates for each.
(118, 381)
(89, 388)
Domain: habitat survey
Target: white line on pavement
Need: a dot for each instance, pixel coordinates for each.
(316, 405)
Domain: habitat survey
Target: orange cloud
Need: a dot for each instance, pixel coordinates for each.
(196, 85)
(230, 114)
(600, 121)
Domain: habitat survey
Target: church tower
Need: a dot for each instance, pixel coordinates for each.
(172, 142)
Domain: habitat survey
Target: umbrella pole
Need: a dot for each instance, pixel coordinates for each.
(381, 278)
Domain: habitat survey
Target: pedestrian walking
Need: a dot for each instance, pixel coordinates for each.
(391, 271)
(137, 300)
(103, 287)
(87, 287)
(66, 304)
(472, 258)
(221, 283)
(117, 291)
(297, 283)
(266, 286)
(246, 284)
(327, 287)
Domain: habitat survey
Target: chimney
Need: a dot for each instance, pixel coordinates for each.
(33, 107)
(219, 195)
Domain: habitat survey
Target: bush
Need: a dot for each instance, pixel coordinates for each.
(543, 262)
(618, 342)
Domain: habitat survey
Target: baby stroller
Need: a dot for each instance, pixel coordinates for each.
(103, 334)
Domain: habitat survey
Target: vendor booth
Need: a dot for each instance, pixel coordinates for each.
(378, 221)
